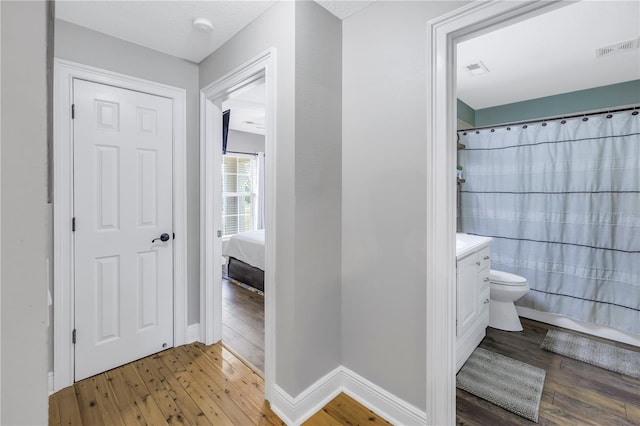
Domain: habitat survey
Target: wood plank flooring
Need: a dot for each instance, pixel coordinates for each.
(188, 385)
(575, 393)
(198, 384)
(343, 410)
(243, 322)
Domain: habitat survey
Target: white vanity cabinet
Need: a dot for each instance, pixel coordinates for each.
(472, 290)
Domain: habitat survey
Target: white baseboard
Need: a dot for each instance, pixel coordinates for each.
(193, 333)
(283, 405)
(581, 326)
(393, 409)
(50, 382)
(294, 411)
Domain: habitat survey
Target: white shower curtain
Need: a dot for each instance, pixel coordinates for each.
(562, 201)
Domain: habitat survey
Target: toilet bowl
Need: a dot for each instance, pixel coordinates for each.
(505, 288)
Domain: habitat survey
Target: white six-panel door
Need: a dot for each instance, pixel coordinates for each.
(122, 201)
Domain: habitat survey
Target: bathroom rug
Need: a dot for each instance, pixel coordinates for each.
(593, 352)
(503, 381)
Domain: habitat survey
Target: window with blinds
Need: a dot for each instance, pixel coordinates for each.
(239, 185)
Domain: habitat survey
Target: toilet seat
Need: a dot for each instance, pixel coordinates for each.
(506, 279)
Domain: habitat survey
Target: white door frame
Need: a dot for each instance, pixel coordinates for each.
(443, 33)
(0, 209)
(63, 322)
(211, 97)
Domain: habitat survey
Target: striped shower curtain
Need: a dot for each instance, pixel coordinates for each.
(561, 199)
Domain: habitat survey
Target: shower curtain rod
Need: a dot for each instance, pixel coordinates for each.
(562, 117)
(245, 153)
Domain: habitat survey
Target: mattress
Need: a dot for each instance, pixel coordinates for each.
(247, 247)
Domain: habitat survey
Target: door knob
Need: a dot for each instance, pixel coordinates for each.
(164, 237)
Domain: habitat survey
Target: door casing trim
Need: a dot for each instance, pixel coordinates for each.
(442, 35)
(63, 278)
(261, 67)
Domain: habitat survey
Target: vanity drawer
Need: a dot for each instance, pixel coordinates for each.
(483, 279)
(484, 259)
(485, 301)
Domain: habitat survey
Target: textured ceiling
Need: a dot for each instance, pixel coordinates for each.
(345, 8)
(165, 26)
(551, 54)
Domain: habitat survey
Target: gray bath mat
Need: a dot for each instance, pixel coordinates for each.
(506, 382)
(592, 352)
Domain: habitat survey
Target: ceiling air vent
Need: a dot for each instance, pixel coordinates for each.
(623, 46)
(477, 68)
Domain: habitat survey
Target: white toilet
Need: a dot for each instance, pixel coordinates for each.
(505, 288)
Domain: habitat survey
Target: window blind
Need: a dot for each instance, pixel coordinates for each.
(239, 185)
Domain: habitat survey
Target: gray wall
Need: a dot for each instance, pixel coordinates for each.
(383, 194)
(78, 44)
(24, 205)
(318, 191)
(306, 37)
(245, 142)
(275, 28)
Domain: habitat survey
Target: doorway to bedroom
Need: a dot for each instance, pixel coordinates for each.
(238, 83)
(242, 223)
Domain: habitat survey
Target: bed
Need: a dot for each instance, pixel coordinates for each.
(245, 258)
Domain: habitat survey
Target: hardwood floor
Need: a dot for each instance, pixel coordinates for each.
(575, 393)
(187, 385)
(243, 322)
(198, 384)
(343, 410)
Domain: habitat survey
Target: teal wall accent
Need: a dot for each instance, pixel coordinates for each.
(466, 113)
(611, 96)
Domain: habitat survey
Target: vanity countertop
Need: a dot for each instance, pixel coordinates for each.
(466, 244)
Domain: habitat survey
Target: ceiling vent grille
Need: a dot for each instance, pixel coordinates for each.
(477, 68)
(623, 46)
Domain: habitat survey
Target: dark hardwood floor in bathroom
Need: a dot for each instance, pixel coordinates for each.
(575, 393)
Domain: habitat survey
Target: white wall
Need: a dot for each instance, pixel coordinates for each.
(24, 205)
(245, 142)
(307, 40)
(79, 44)
(383, 194)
